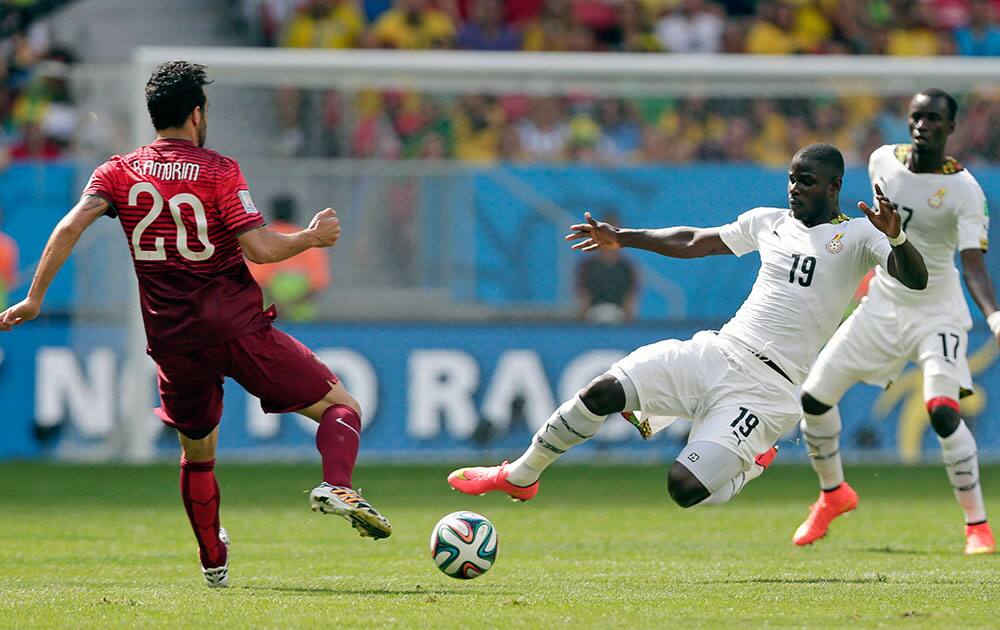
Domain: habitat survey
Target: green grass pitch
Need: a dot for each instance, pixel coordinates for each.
(109, 546)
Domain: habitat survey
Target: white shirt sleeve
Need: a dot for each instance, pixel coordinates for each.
(876, 247)
(741, 235)
(973, 219)
(874, 162)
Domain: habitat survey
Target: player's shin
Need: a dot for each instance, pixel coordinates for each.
(728, 490)
(734, 486)
(720, 471)
(337, 440)
(570, 425)
(962, 464)
(822, 435)
(200, 493)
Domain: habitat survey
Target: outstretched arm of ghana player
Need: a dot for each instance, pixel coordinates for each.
(263, 245)
(980, 285)
(676, 242)
(905, 262)
(61, 242)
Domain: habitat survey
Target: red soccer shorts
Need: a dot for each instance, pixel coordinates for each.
(269, 364)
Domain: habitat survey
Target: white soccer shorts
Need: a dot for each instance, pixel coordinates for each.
(875, 344)
(731, 396)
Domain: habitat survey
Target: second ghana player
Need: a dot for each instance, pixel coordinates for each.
(943, 209)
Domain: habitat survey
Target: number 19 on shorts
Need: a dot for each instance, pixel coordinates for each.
(744, 424)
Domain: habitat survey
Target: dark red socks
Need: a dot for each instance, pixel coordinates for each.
(337, 440)
(200, 493)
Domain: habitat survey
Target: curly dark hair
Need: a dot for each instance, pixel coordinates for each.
(173, 91)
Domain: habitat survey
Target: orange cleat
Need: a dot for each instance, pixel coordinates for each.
(829, 506)
(764, 459)
(979, 539)
(483, 479)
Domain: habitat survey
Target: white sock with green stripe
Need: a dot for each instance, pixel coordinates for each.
(822, 435)
(571, 424)
(962, 464)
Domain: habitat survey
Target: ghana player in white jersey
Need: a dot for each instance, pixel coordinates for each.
(943, 209)
(739, 386)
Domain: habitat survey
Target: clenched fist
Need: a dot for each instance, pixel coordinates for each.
(325, 227)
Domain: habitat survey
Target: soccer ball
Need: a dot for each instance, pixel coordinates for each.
(464, 545)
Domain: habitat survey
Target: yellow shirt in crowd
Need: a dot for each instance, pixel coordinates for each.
(433, 29)
(341, 28)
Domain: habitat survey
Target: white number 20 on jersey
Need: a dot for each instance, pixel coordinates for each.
(159, 252)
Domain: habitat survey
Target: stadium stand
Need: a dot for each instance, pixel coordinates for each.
(37, 117)
(506, 127)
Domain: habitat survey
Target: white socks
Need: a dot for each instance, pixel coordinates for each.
(822, 434)
(958, 451)
(734, 487)
(571, 424)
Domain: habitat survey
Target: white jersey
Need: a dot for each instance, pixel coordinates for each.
(941, 212)
(807, 278)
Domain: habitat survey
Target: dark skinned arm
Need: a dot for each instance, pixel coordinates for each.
(977, 279)
(905, 262)
(675, 242)
(907, 265)
(980, 286)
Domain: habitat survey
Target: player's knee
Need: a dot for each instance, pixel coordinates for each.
(349, 401)
(198, 445)
(604, 395)
(684, 487)
(338, 395)
(354, 404)
(944, 416)
(812, 406)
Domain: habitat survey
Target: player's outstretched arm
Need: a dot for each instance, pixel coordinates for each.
(64, 237)
(905, 262)
(676, 242)
(977, 279)
(267, 246)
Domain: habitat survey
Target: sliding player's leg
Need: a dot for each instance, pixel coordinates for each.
(572, 423)
(662, 379)
(708, 474)
(733, 442)
(288, 377)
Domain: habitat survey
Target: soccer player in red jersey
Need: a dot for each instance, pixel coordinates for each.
(189, 221)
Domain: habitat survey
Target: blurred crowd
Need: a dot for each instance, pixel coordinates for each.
(519, 128)
(37, 116)
(38, 120)
(578, 128)
(877, 27)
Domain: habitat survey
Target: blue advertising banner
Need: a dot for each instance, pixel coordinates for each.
(33, 197)
(427, 391)
(516, 249)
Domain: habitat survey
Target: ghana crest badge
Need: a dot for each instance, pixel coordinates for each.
(835, 244)
(937, 199)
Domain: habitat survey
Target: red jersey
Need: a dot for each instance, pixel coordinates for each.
(182, 208)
